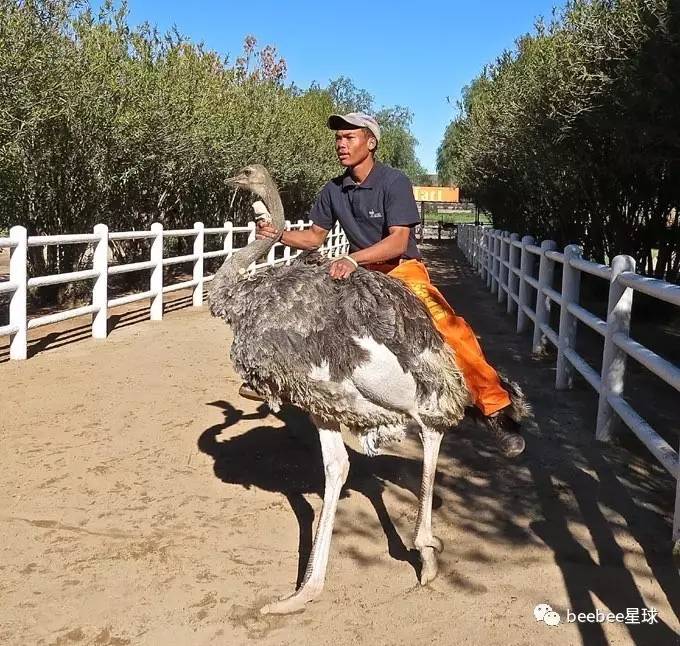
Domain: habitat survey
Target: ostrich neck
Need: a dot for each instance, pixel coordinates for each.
(228, 273)
(272, 201)
(255, 250)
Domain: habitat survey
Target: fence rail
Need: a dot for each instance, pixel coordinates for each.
(19, 283)
(508, 266)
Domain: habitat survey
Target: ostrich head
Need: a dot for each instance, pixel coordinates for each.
(256, 179)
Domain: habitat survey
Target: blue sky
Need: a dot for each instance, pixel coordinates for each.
(407, 53)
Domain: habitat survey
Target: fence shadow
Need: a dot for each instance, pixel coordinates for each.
(75, 330)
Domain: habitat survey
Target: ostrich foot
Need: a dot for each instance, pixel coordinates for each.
(429, 569)
(429, 549)
(292, 603)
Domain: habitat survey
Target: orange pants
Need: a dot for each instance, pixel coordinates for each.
(482, 380)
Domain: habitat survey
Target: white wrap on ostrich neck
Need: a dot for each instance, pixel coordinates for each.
(261, 213)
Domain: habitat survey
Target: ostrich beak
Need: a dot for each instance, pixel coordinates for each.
(236, 181)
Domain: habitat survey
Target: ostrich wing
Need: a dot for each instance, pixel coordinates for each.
(352, 350)
(296, 318)
(311, 257)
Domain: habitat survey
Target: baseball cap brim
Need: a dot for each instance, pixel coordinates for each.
(340, 122)
(352, 121)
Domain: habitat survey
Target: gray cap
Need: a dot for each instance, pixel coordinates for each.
(354, 120)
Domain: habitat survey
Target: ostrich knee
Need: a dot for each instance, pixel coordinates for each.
(337, 470)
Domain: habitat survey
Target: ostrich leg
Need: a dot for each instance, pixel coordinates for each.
(425, 542)
(336, 467)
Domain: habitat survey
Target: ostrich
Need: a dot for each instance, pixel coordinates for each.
(362, 352)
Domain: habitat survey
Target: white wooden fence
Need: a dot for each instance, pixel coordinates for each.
(507, 264)
(19, 283)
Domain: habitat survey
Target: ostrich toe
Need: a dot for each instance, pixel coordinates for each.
(428, 572)
(292, 603)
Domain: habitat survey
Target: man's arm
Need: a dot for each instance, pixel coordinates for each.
(391, 246)
(305, 239)
(322, 219)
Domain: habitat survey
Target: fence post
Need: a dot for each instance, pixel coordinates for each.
(619, 307)
(492, 252)
(156, 280)
(489, 257)
(299, 226)
(492, 247)
(495, 275)
(502, 269)
(513, 261)
(286, 248)
(252, 228)
(199, 241)
(571, 287)
(526, 268)
(271, 255)
(17, 306)
(228, 245)
(100, 291)
(479, 234)
(483, 254)
(546, 269)
(345, 244)
(498, 243)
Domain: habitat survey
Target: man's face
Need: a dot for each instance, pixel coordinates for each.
(351, 146)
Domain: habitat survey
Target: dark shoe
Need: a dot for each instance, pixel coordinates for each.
(506, 432)
(248, 393)
(519, 408)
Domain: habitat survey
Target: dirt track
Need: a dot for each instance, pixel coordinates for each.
(143, 502)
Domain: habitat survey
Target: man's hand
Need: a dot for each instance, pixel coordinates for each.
(265, 231)
(341, 268)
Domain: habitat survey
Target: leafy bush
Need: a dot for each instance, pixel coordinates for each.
(575, 135)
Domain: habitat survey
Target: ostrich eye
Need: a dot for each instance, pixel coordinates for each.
(248, 171)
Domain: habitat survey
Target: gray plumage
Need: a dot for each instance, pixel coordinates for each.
(288, 320)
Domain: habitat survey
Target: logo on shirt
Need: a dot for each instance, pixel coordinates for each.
(374, 214)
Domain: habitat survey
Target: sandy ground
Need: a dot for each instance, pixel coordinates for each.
(143, 502)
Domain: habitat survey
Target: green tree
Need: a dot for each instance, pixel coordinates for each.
(575, 134)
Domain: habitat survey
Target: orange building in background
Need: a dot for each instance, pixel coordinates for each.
(436, 193)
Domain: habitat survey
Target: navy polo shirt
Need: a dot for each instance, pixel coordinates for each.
(367, 210)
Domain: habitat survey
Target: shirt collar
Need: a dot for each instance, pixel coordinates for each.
(369, 182)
